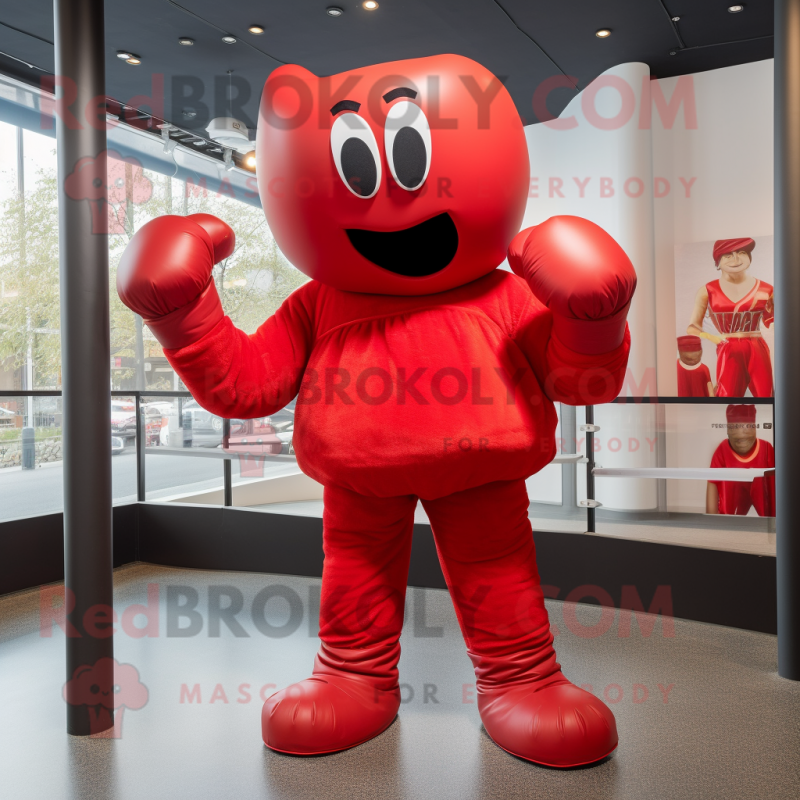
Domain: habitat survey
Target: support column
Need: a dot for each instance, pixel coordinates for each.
(787, 330)
(85, 352)
(23, 257)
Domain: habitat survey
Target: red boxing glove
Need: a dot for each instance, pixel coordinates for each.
(165, 276)
(582, 275)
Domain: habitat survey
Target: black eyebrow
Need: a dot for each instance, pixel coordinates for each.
(345, 105)
(401, 92)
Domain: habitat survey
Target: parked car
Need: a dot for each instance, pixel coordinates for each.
(283, 422)
(123, 422)
(271, 435)
(117, 445)
(202, 421)
(123, 419)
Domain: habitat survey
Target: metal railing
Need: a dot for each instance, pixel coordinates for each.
(226, 454)
(590, 503)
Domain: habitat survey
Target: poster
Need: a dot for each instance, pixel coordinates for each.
(724, 317)
(739, 436)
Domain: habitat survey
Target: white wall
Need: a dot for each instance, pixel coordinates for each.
(595, 162)
(602, 161)
(729, 156)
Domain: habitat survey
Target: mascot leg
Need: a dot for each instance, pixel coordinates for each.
(353, 693)
(528, 707)
(760, 368)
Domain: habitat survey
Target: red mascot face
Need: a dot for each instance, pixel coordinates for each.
(404, 178)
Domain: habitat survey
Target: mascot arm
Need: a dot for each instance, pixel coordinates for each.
(585, 279)
(165, 276)
(235, 375)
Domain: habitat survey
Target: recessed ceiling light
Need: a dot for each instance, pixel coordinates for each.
(229, 39)
(186, 41)
(676, 19)
(133, 60)
(124, 55)
(735, 9)
(603, 33)
(334, 11)
(256, 29)
(370, 5)
(249, 161)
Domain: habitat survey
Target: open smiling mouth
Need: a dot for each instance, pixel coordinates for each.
(415, 252)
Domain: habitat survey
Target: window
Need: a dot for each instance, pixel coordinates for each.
(252, 283)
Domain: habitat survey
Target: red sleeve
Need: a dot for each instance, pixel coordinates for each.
(233, 374)
(566, 376)
(769, 454)
(718, 461)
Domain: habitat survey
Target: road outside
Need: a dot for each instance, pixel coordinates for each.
(30, 493)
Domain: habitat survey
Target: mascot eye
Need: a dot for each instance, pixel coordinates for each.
(408, 144)
(355, 152)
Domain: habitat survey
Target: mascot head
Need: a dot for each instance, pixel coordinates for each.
(404, 178)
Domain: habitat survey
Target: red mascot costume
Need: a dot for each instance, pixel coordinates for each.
(398, 188)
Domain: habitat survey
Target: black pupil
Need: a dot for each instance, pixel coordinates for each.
(410, 157)
(358, 166)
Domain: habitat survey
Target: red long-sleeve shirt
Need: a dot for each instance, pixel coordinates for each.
(423, 395)
(737, 497)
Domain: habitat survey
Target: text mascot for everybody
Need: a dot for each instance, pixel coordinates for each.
(399, 189)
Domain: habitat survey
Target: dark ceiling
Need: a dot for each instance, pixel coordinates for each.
(524, 41)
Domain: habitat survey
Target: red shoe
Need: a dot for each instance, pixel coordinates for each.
(351, 697)
(528, 707)
(558, 725)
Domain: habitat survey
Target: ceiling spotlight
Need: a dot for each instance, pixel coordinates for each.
(186, 41)
(370, 5)
(256, 29)
(249, 161)
(229, 39)
(124, 55)
(735, 9)
(135, 60)
(334, 11)
(676, 19)
(603, 33)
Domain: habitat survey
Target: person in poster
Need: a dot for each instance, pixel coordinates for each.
(694, 379)
(742, 449)
(737, 304)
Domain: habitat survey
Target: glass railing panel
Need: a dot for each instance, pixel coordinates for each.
(697, 474)
(553, 490)
(183, 450)
(123, 449)
(31, 467)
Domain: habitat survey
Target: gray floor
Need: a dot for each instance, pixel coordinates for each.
(730, 728)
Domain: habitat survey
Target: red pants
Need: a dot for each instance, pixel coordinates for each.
(743, 364)
(485, 546)
(486, 550)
